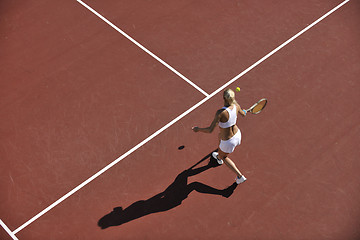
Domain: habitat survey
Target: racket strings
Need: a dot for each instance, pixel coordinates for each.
(259, 106)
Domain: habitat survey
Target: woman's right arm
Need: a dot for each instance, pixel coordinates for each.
(241, 111)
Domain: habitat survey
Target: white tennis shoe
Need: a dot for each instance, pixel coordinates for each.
(215, 155)
(240, 180)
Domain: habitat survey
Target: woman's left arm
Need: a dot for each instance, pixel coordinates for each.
(213, 124)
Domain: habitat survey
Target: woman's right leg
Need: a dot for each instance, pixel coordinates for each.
(229, 163)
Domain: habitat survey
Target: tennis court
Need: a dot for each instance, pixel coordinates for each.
(98, 99)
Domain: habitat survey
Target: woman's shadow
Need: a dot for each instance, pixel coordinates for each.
(168, 199)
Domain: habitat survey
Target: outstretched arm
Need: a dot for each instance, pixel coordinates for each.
(213, 124)
(242, 111)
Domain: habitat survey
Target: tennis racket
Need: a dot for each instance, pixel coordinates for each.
(257, 107)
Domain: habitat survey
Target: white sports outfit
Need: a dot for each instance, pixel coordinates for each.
(228, 146)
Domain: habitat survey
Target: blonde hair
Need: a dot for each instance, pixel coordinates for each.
(229, 96)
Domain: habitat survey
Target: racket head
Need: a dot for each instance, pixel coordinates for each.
(259, 106)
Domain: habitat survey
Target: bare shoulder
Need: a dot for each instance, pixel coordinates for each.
(220, 112)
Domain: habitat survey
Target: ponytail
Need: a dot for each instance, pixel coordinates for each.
(229, 96)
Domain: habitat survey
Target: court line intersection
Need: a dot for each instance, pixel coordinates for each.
(142, 47)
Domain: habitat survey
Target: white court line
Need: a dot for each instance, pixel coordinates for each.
(12, 235)
(143, 48)
(173, 121)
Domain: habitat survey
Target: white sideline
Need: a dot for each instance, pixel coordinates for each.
(142, 47)
(173, 121)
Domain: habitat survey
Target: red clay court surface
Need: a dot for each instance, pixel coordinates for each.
(76, 95)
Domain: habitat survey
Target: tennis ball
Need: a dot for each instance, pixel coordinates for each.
(237, 89)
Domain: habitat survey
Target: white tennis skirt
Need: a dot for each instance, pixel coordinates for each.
(228, 146)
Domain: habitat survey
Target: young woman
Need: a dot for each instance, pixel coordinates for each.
(230, 135)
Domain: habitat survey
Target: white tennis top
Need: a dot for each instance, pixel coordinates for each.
(232, 118)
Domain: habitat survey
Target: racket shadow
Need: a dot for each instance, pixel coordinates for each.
(172, 197)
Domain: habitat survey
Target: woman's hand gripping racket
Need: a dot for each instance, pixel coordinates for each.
(257, 107)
